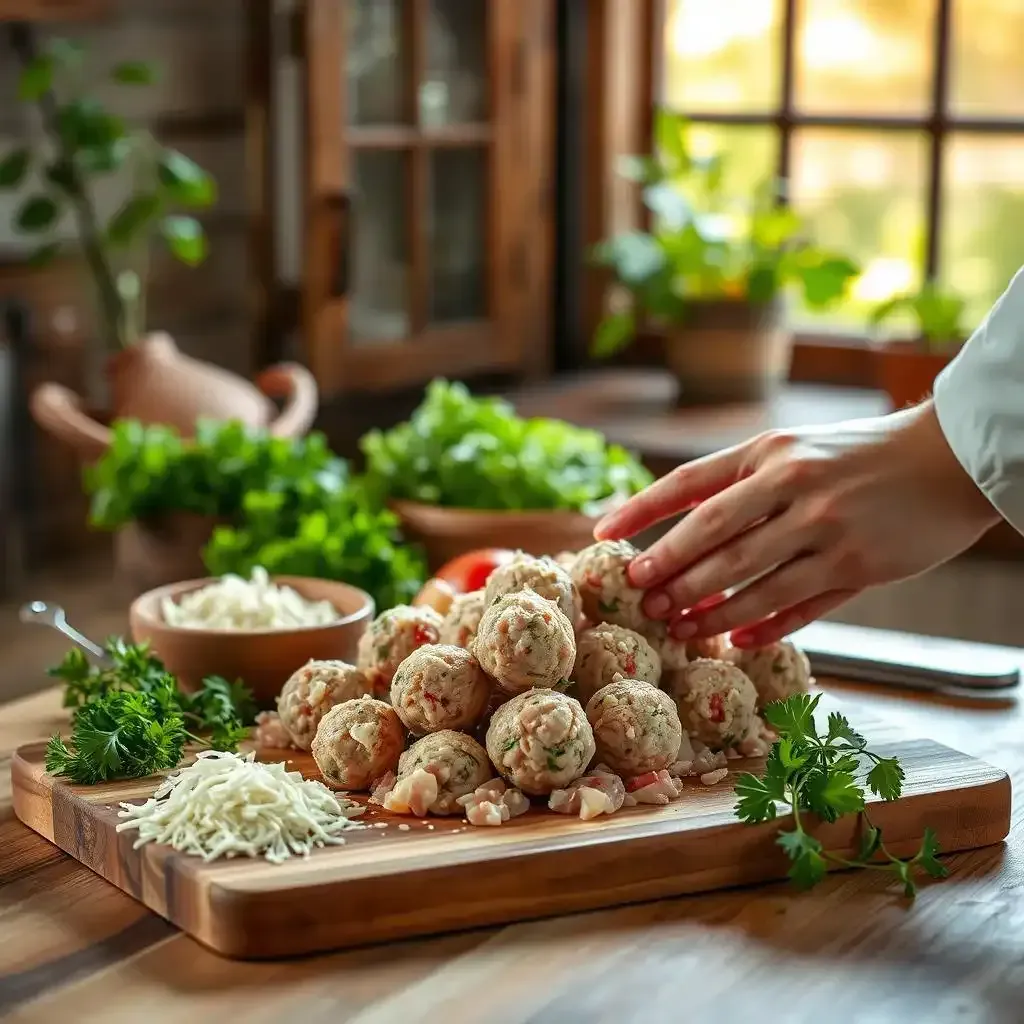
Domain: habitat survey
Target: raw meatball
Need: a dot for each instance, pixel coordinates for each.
(312, 691)
(357, 742)
(270, 733)
(540, 741)
(674, 654)
(636, 727)
(777, 671)
(457, 762)
(609, 652)
(544, 576)
(463, 619)
(707, 647)
(600, 574)
(566, 559)
(525, 641)
(716, 702)
(391, 638)
(440, 686)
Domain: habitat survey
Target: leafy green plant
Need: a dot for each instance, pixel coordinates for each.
(85, 142)
(824, 774)
(706, 243)
(461, 451)
(288, 504)
(938, 314)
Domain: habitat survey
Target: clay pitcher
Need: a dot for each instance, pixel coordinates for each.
(155, 382)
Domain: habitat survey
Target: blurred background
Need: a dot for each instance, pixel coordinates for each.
(411, 189)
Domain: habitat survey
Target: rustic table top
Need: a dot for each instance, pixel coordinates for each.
(73, 948)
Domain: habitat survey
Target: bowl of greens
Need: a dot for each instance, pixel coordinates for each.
(466, 472)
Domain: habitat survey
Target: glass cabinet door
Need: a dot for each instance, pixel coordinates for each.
(415, 187)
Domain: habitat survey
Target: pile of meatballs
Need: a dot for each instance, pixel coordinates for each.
(550, 682)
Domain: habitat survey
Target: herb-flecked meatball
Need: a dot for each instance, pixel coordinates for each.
(777, 671)
(636, 727)
(357, 742)
(540, 741)
(312, 691)
(391, 638)
(463, 619)
(440, 686)
(599, 573)
(456, 760)
(608, 652)
(544, 576)
(716, 702)
(523, 641)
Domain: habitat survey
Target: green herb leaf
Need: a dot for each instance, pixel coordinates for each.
(185, 238)
(184, 181)
(134, 72)
(62, 174)
(809, 865)
(793, 717)
(885, 779)
(904, 871)
(36, 79)
(37, 213)
(831, 794)
(44, 255)
(870, 841)
(85, 124)
(756, 802)
(613, 334)
(132, 219)
(13, 167)
(66, 53)
(839, 728)
(927, 856)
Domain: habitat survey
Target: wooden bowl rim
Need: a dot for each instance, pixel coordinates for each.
(145, 609)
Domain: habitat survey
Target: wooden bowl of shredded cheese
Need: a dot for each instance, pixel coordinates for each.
(258, 630)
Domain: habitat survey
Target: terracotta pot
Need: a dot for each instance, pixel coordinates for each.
(153, 381)
(906, 371)
(447, 532)
(729, 351)
(151, 553)
(263, 659)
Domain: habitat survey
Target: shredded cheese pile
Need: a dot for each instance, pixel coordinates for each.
(239, 604)
(230, 805)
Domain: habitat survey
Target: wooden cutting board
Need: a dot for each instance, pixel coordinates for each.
(406, 877)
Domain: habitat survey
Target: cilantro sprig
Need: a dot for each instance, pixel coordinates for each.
(825, 773)
(131, 720)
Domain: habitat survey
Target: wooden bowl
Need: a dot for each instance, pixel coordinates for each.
(447, 532)
(263, 659)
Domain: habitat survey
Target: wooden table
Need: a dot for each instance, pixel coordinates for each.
(73, 948)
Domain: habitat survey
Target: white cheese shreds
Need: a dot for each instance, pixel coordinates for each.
(238, 604)
(231, 805)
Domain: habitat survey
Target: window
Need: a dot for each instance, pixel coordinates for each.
(899, 127)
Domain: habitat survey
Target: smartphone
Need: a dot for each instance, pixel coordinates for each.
(907, 659)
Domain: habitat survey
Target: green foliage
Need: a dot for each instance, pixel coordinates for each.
(85, 142)
(708, 244)
(131, 720)
(289, 504)
(466, 452)
(938, 314)
(808, 771)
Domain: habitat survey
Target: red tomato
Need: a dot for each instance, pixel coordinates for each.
(639, 781)
(436, 593)
(470, 571)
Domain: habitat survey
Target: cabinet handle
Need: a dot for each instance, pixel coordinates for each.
(338, 210)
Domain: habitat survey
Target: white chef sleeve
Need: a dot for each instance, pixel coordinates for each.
(979, 401)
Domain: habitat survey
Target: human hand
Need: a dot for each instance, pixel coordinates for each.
(805, 519)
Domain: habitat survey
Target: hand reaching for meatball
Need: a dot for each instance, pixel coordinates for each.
(801, 522)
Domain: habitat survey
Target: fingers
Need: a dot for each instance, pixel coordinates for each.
(792, 584)
(713, 524)
(767, 631)
(753, 553)
(682, 489)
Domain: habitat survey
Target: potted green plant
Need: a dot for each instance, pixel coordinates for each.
(711, 272)
(83, 142)
(466, 473)
(907, 368)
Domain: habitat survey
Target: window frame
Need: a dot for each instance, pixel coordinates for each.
(636, 72)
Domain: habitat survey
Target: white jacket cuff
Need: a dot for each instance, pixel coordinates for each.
(979, 401)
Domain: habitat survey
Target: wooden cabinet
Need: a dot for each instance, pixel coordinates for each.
(429, 189)
(46, 10)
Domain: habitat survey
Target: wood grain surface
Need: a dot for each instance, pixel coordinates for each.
(74, 948)
(399, 877)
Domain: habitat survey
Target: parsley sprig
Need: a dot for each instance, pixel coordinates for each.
(825, 774)
(131, 720)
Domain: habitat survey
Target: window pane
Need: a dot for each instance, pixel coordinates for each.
(454, 90)
(722, 55)
(378, 308)
(988, 73)
(863, 193)
(751, 153)
(983, 224)
(458, 212)
(864, 56)
(376, 62)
